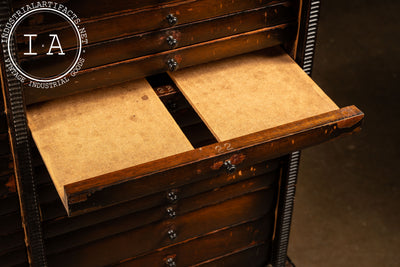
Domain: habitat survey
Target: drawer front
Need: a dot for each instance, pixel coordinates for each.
(86, 10)
(154, 42)
(164, 212)
(128, 70)
(138, 21)
(259, 255)
(215, 245)
(197, 164)
(57, 223)
(166, 233)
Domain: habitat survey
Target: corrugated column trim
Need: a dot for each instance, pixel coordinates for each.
(305, 58)
(286, 202)
(311, 35)
(26, 185)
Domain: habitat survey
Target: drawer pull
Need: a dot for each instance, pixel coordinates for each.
(170, 262)
(230, 168)
(171, 41)
(172, 234)
(172, 20)
(172, 196)
(171, 213)
(172, 64)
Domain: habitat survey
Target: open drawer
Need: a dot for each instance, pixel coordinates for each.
(120, 143)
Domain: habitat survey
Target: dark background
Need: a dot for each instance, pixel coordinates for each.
(347, 210)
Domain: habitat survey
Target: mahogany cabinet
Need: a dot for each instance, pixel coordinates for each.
(176, 144)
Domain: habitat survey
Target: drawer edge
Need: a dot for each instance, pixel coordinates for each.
(197, 164)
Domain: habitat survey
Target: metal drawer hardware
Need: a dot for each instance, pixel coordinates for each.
(172, 234)
(171, 213)
(172, 196)
(172, 20)
(172, 64)
(170, 262)
(171, 41)
(230, 168)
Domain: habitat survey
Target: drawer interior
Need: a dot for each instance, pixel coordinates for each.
(250, 93)
(84, 136)
(122, 134)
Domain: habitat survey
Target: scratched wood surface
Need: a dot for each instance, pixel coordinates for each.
(136, 220)
(173, 171)
(251, 93)
(58, 227)
(101, 26)
(195, 224)
(106, 130)
(128, 70)
(216, 248)
(118, 49)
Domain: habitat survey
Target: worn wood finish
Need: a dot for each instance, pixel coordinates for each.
(115, 50)
(127, 70)
(197, 164)
(211, 246)
(181, 208)
(218, 222)
(112, 250)
(253, 256)
(148, 19)
(89, 10)
(63, 225)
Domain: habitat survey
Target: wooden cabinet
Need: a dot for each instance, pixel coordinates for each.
(175, 144)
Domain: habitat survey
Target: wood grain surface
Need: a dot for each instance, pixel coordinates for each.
(146, 239)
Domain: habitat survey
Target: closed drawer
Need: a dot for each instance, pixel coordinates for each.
(85, 235)
(153, 42)
(133, 68)
(139, 241)
(132, 22)
(226, 247)
(258, 254)
(57, 222)
(87, 10)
